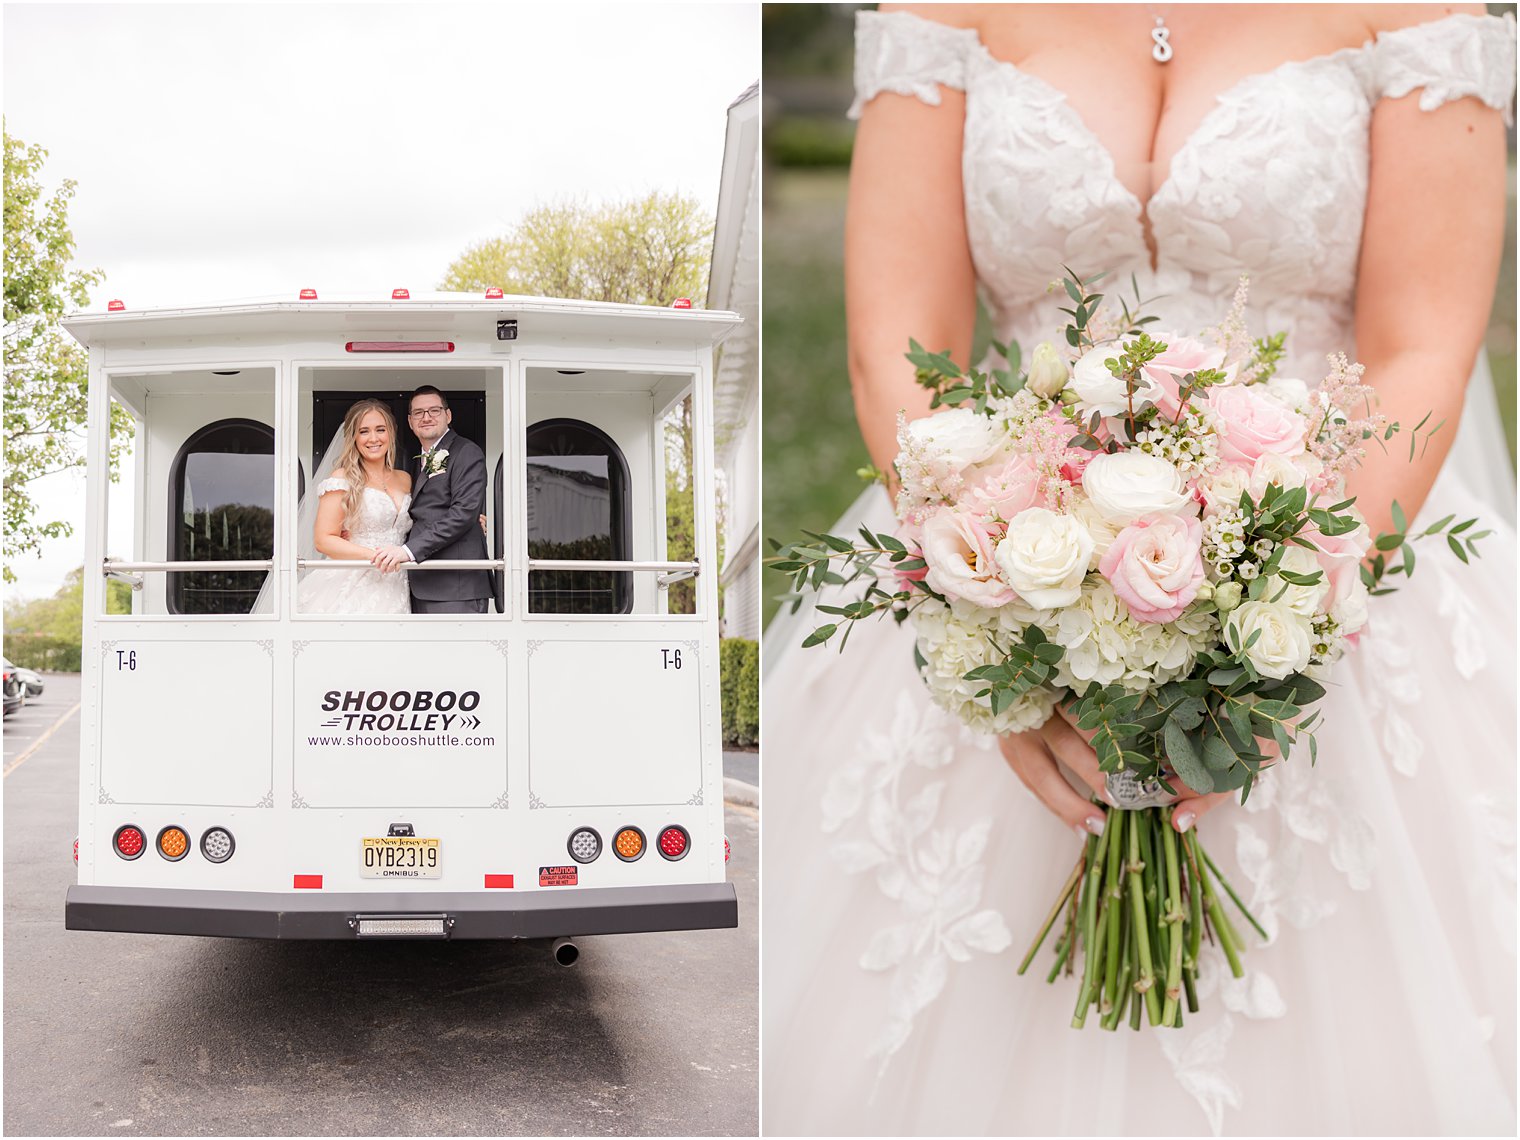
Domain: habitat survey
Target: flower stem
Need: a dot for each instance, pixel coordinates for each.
(1173, 918)
(1055, 911)
(1145, 983)
(1216, 915)
(1093, 887)
(1113, 890)
(1229, 890)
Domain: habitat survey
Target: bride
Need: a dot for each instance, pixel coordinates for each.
(362, 506)
(1350, 161)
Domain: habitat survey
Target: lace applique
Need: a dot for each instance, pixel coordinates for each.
(1397, 689)
(907, 55)
(934, 875)
(332, 483)
(1450, 58)
(1467, 641)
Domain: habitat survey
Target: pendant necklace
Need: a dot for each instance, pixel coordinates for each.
(1161, 48)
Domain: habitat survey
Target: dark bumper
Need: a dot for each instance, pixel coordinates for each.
(497, 914)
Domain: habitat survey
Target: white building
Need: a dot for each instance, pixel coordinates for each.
(734, 285)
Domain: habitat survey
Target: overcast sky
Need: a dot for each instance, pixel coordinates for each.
(232, 150)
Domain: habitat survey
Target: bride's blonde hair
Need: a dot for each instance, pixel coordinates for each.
(350, 464)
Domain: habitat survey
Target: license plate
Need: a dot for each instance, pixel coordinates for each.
(399, 857)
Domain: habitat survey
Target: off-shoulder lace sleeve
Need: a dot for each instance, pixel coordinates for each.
(1450, 58)
(333, 483)
(908, 55)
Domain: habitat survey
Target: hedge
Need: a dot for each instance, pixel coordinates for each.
(739, 659)
(40, 651)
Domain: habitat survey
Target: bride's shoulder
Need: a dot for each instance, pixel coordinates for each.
(403, 479)
(951, 15)
(332, 483)
(1384, 18)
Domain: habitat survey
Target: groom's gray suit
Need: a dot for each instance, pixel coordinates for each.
(446, 510)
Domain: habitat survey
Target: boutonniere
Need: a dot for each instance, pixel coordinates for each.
(436, 462)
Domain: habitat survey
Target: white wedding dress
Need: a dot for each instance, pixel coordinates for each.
(380, 523)
(906, 868)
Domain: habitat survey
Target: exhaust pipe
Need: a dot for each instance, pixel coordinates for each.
(565, 952)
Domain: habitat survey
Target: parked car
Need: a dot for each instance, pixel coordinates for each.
(31, 681)
(15, 691)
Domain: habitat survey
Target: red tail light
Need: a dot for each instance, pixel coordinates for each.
(673, 842)
(727, 850)
(129, 841)
(76, 850)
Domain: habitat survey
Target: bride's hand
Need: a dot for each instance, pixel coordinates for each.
(1033, 756)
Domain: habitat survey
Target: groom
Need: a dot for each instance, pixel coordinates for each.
(448, 498)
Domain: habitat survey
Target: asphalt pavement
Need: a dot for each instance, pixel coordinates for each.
(122, 1034)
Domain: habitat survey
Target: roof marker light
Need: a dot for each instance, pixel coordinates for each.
(493, 293)
(399, 346)
(308, 294)
(116, 306)
(400, 295)
(682, 303)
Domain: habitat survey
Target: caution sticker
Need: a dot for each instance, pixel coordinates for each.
(557, 876)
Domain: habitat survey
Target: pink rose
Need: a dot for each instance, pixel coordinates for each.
(1254, 425)
(1008, 488)
(1183, 355)
(1341, 559)
(911, 536)
(1155, 566)
(959, 552)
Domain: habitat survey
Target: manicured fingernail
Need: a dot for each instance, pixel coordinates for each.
(1095, 824)
(1107, 797)
(1081, 831)
(1184, 820)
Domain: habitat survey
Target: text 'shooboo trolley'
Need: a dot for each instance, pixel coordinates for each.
(256, 765)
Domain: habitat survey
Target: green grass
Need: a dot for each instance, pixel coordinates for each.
(811, 445)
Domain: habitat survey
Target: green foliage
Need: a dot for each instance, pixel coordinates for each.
(46, 633)
(643, 251)
(952, 387)
(46, 373)
(805, 141)
(739, 662)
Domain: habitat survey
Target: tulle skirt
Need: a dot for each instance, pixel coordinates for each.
(907, 870)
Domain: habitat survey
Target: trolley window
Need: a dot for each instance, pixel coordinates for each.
(578, 508)
(222, 509)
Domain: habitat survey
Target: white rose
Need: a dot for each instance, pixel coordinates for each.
(1047, 371)
(1097, 389)
(1289, 391)
(1302, 600)
(1102, 531)
(1129, 484)
(1044, 557)
(1350, 613)
(1283, 647)
(1274, 468)
(1222, 486)
(954, 440)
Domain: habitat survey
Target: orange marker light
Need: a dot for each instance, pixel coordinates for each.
(173, 843)
(629, 844)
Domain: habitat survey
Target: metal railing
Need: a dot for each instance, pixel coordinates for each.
(668, 571)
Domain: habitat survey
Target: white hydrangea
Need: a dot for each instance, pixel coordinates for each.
(954, 640)
(1104, 643)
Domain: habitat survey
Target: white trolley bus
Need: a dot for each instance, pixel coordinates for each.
(548, 769)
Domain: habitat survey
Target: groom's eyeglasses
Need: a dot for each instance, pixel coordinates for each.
(427, 413)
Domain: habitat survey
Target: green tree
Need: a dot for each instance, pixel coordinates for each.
(642, 251)
(45, 633)
(46, 373)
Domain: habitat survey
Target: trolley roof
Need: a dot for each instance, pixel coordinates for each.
(348, 314)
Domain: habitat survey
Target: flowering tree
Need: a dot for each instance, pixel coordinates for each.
(45, 372)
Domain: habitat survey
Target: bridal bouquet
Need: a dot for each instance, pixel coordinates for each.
(1150, 529)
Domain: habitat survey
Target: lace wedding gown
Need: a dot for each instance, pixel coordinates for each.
(380, 523)
(907, 869)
